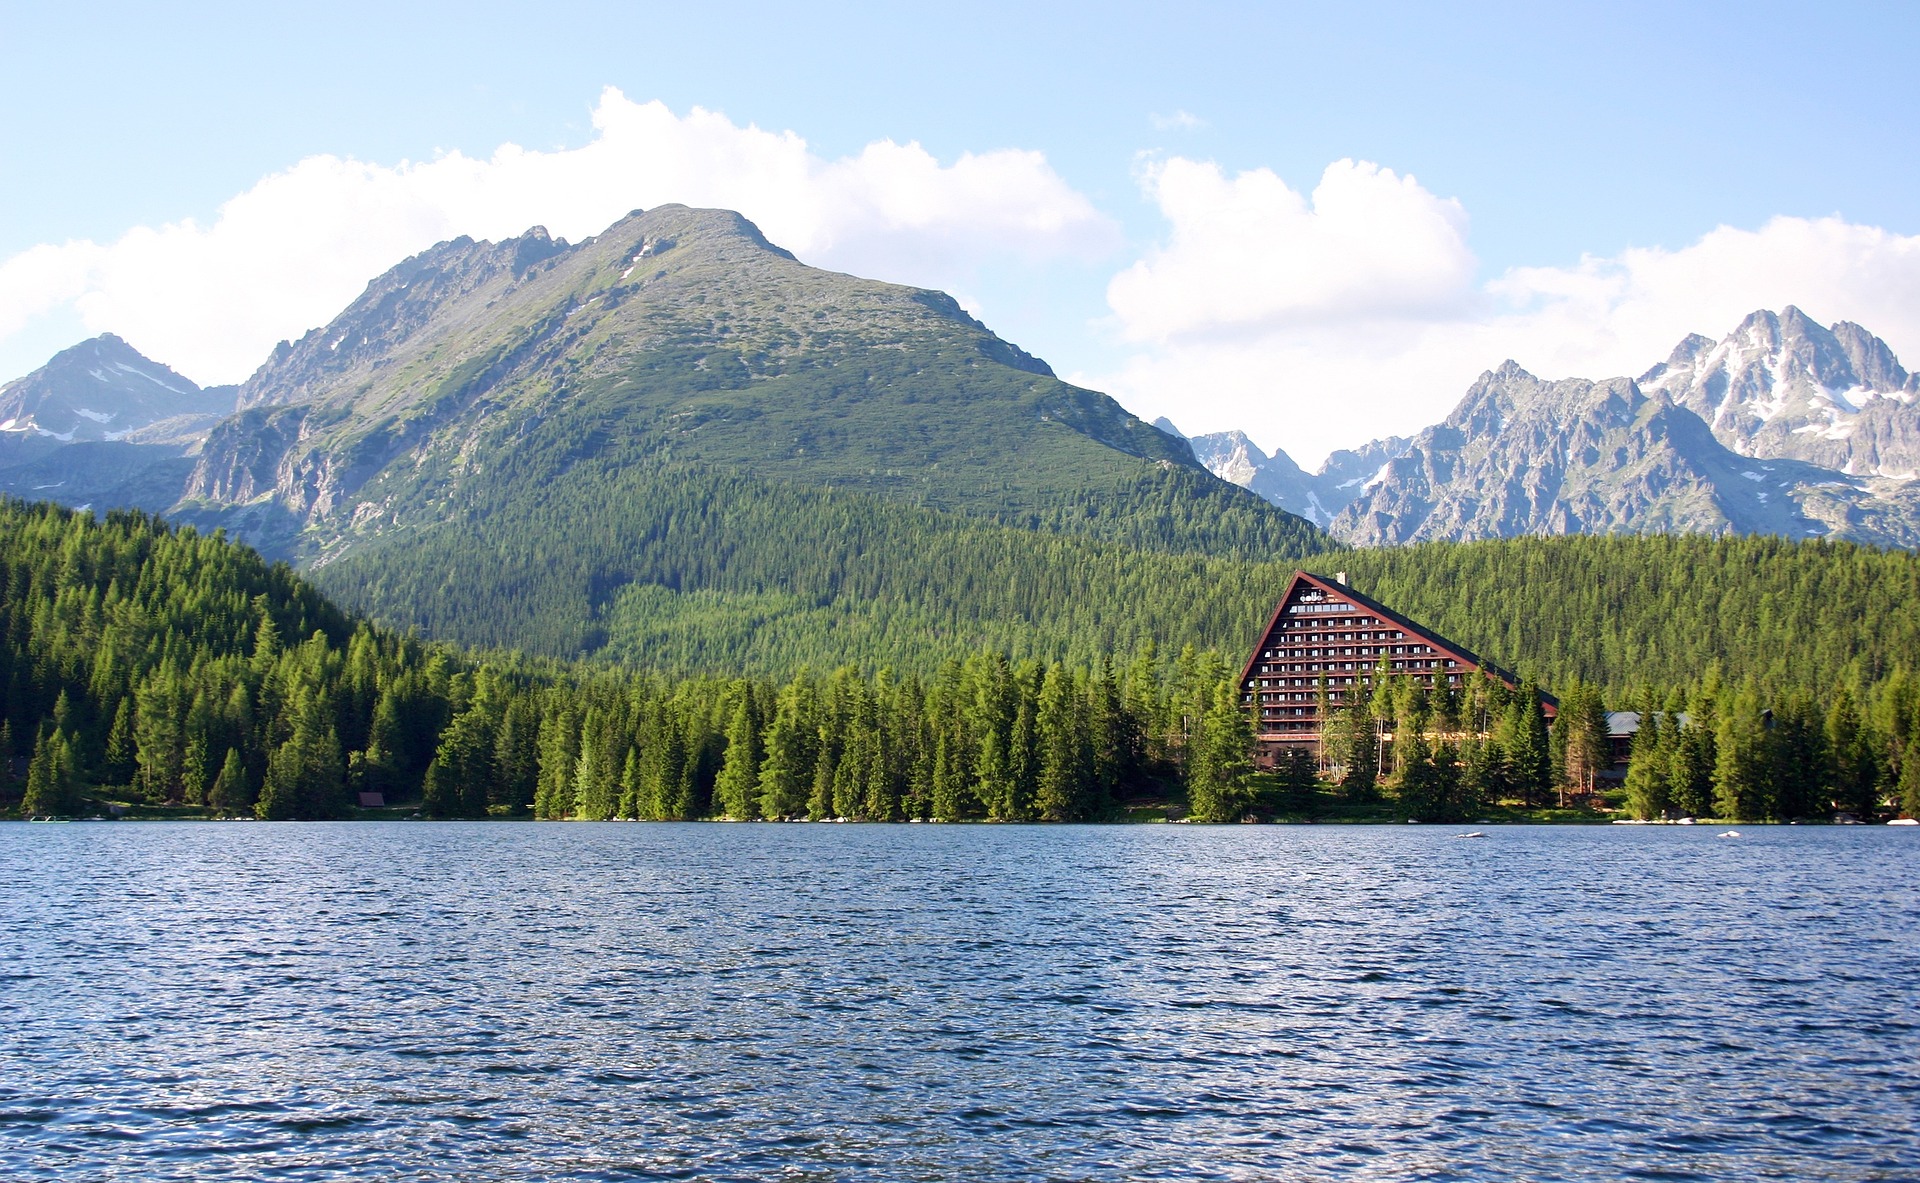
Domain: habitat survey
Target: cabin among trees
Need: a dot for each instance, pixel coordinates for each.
(1331, 658)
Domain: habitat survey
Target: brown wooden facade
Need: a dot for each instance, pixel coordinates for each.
(1323, 628)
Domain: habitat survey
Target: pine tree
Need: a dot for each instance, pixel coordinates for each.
(1299, 779)
(1219, 759)
(230, 796)
(1855, 770)
(53, 787)
(1647, 795)
(736, 792)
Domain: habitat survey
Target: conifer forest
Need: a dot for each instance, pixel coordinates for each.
(151, 664)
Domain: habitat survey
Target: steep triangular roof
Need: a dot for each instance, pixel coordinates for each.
(1332, 587)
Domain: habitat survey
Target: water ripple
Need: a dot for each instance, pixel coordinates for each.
(832, 1002)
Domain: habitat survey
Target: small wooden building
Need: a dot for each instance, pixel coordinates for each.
(1321, 628)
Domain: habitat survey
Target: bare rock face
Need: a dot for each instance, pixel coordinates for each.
(104, 389)
(1318, 496)
(1521, 456)
(1781, 427)
(102, 424)
(1781, 386)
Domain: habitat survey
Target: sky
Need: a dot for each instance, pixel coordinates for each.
(1317, 223)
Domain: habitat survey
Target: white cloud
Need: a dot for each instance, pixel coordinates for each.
(1249, 255)
(1322, 323)
(290, 252)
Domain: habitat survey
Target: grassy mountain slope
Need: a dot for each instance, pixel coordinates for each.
(678, 333)
(496, 439)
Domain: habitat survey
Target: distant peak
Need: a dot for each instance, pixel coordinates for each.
(1510, 369)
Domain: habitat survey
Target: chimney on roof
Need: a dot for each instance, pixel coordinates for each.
(1340, 577)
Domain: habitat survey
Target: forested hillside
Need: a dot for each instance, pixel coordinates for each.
(156, 664)
(746, 577)
(170, 667)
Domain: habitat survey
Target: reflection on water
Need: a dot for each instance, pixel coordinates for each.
(822, 1002)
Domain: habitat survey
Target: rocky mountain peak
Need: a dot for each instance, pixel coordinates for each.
(1781, 385)
(103, 389)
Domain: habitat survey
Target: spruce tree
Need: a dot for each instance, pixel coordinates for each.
(1419, 788)
(1219, 759)
(1647, 793)
(306, 775)
(1299, 779)
(118, 766)
(787, 771)
(53, 787)
(559, 760)
(596, 785)
(457, 780)
(1744, 767)
(736, 792)
(1909, 783)
(230, 796)
(1855, 778)
(196, 768)
(1359, 750)
(1060, 795)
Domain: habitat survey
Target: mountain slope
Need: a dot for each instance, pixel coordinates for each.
(677, 333)
(1782, 386)
(497, 441)
(1318, 496)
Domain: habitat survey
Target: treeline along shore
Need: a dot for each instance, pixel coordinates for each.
(148, 665)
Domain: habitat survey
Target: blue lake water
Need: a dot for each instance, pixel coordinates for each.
(428, 1001)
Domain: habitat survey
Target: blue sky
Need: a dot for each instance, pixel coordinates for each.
(1539, 135)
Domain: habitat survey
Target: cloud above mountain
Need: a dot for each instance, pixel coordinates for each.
(1247, 255)
(287, 254)
(1316, 321)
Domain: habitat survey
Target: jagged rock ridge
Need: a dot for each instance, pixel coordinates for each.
(1781, 427)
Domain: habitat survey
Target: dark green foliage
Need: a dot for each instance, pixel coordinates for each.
(177, 669)
(1429, 786)
(1856, 771)
(53, 785)
(1357, 750)
(1218, 789)
(1627, 612)
(1299, 781)
(1648, 788)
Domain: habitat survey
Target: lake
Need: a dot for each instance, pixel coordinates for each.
(571, 1001)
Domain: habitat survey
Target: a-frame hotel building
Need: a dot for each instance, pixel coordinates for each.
(1322, 627)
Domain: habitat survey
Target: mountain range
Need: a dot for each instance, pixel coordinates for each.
(1784, 426)
(674, 443)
